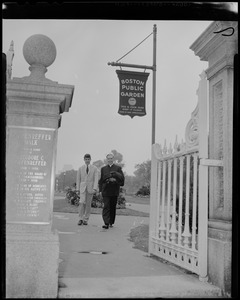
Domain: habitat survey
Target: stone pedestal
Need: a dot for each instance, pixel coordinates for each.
(31, 262)
(34, 105)
(219, 50)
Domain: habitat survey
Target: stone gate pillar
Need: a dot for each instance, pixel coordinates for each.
(34, 105)
(219, 50)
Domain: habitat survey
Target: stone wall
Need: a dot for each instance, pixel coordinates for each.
(219, 50)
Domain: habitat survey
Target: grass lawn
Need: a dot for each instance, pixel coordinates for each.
(137, 200)
(139, 236)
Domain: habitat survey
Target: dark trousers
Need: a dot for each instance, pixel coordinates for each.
(109, 209)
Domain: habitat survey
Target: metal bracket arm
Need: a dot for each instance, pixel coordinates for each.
(211, 162)
(131, 65)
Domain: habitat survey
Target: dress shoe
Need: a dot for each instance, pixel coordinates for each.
(105, 226)
(80, 222)
(110, 225)
(84, 222)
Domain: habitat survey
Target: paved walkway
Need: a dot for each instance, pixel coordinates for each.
(100, 263)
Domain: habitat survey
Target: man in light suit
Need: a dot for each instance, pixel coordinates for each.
(86, 184)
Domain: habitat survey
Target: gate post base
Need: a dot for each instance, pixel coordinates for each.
(203, 279)
(219, 250)
(31, 264)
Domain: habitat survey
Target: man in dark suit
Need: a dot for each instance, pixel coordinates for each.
(109, 186)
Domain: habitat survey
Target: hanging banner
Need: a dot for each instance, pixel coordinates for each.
(132, 93)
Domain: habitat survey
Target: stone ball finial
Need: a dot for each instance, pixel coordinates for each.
(39, 49)
(40, 52)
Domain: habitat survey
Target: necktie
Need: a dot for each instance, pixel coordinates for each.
(87, 169)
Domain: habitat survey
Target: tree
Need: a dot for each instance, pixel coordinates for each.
(66, 179)
(132, 184)
(143, 172)
(141, 178)
(98, 163)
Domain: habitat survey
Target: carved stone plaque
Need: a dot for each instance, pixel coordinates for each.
(29, 174)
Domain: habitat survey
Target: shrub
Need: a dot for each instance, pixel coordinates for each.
(121, 202)
(73, 198)
(143, 191)
(96, 201)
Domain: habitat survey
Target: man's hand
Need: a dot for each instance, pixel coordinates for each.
(100, 195)
(112, 179)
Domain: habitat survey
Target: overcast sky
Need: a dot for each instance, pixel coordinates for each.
(84, 47)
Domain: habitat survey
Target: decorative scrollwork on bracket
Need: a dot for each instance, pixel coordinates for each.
(191, 131)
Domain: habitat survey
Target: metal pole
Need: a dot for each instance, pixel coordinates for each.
(154, 82)
(64, 174)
